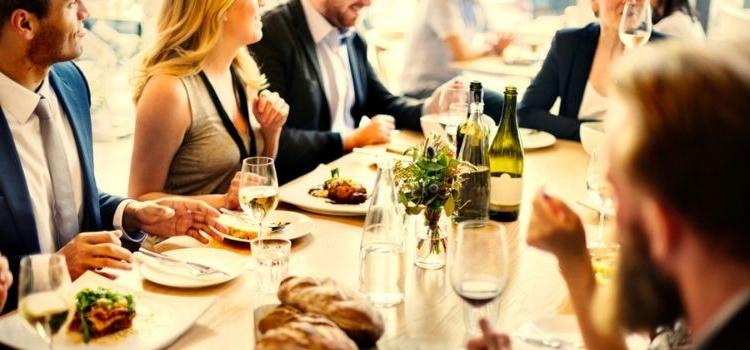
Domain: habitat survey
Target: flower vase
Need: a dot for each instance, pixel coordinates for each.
(432, 240)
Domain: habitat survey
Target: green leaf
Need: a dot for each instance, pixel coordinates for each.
(449, 206)
(430, 166)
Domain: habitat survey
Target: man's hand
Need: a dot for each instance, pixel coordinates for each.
(377, 131)
(436, 103)
(554, 227)
(6, 280)
(489, 339)
(174, 217)
(96, 250)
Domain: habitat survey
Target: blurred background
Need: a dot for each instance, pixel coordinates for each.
(119, 29)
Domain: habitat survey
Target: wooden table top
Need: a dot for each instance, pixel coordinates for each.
(431, 315)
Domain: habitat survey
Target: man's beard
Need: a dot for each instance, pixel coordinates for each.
(47, 47)
(645, 298)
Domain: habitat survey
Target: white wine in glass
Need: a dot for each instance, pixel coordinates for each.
(599, 189)
(635, 24)
(42, 302)
(259, 189)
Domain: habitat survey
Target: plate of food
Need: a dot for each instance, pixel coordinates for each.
(107, 315)
(169, 274)
(331, 191)
(280, 224)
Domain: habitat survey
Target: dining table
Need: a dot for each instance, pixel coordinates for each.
(431, 314)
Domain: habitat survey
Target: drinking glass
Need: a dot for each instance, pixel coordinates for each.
(271, 262)
(599, 189)
(382, 272)
(454, 107)
(41, 299)
(479, 269)
(635, 23)
(259, 189)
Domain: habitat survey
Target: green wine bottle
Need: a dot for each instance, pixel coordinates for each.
(474, 196)
(506, 164)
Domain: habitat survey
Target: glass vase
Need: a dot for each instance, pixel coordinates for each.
(432, 240)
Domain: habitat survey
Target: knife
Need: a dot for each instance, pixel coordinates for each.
(203, 269)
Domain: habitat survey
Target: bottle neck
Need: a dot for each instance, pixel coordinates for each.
(476, 109)
(509, 112)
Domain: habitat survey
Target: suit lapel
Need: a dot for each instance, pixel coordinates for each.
(76, 109)
(584, 58)
(13, 184)
(305, 38)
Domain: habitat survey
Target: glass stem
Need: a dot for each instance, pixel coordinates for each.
(600, 237)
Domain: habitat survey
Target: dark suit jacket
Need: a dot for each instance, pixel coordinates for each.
(287, 57)
(733, 335)
(18, 235)
(564, 74)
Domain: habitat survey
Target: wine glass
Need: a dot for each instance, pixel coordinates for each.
(42, 302)
(479, 269)
(454, 107)
(259, 189)
(635, 23)
(599, 189)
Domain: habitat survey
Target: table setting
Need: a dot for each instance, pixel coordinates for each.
(419, 307)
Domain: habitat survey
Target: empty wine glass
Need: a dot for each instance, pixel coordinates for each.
(454, 107)
(259, 189)
(599, 189)
(635, 23)
(479, 269)
(42, 302)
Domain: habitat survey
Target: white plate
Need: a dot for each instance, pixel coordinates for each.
(296, 192)
(168, 275)
(564, 328)
(159, 321)
(300, 225)
(534, 139)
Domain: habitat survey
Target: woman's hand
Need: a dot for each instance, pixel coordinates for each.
(271, 112)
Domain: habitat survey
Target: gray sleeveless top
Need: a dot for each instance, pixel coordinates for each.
(208, 158)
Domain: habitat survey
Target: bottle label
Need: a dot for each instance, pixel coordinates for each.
(505, 190)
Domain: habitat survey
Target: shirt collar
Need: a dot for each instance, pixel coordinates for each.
(19, 101)
(319, 26)
(720, 320)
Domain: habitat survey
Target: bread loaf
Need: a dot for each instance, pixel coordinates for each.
(348, 309)
(305, 332)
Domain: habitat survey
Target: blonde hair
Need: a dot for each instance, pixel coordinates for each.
(187, 32)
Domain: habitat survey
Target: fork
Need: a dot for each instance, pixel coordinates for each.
(194, 268)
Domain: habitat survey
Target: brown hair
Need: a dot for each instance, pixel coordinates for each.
(37, 7)
(692, 114)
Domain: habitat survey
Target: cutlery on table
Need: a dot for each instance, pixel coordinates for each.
(274, 226)
(195, 268)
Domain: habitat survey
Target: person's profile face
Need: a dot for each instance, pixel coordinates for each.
(243, 21)
(344, 13)
(59, 35)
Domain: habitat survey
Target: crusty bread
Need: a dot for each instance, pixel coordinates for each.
(278, 317)
(354, 314)
(305, 332)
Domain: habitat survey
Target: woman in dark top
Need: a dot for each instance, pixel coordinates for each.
(576, 70)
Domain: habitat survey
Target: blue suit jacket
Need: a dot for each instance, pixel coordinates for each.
(18, 233)
(564, 74)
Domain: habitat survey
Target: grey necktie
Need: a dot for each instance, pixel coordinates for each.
(64, 210)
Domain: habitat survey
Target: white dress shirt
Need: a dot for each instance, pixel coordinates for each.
(18, 104)
(333, 59)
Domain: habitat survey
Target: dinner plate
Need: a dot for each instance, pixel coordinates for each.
(562, 328)
(300, 225)
(159, 321)
(534, 139)
(296, 192)
(171, 276)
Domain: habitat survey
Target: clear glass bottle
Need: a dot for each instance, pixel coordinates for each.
(474, 197)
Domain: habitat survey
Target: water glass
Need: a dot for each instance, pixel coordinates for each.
(271, 262)
(382, 272)
(635, 23)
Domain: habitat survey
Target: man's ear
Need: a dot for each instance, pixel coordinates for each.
(23, 23)
(663, 229)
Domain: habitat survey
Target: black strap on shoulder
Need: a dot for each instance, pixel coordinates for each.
(241, 97)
